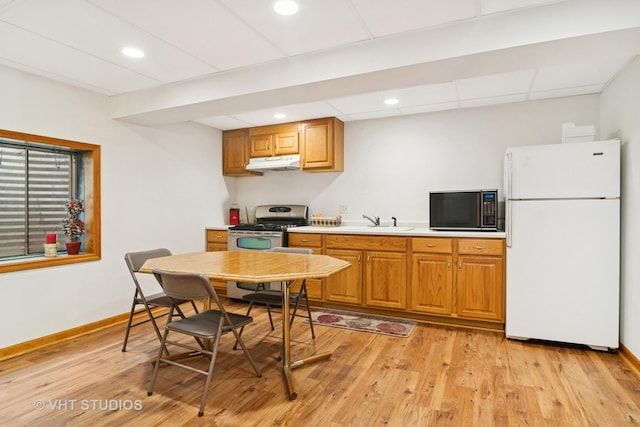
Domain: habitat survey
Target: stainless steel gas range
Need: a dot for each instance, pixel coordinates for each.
(269, 231)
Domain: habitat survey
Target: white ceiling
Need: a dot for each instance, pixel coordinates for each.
(234, 63)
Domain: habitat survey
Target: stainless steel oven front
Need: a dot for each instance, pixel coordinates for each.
(251, 240)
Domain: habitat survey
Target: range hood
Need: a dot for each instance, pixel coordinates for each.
(277, 163)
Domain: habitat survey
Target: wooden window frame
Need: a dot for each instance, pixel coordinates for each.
(92, 242)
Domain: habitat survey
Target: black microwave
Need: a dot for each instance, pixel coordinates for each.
(464, 210)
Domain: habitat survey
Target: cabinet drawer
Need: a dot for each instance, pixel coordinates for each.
(432, 245)
(481, 246)
(367, 243)
(217, 236)
(301, 240)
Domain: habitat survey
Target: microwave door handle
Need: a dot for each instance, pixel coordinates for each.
(509, 202)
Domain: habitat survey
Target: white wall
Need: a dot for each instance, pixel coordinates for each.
(160, 188)
(391, 164)
(620, 118)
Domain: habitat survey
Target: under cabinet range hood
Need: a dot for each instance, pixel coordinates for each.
(276, 163)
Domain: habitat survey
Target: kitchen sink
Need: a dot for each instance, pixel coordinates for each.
(371, 228)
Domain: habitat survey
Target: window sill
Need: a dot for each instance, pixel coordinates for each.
(42, 262)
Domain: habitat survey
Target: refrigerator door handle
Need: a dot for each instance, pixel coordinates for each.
(508, 207)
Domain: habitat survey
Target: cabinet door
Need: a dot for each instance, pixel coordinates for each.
(261, 145)
(480, 287)
(286, 143)
(432, 283)
(217, 241)
(323, 145)
(386, 279)
(345, 286)
(235, 153)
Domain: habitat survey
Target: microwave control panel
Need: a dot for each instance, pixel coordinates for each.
(489, 208)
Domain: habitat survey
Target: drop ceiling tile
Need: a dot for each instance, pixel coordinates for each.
(212, 34)
(384, 17)
(294, 113)
(63, 63)
(407, 97)
(430, 108)
(94, 32)
(586, 73)
(224, 122)
(317, 25)
(495, 85)
(376, 114)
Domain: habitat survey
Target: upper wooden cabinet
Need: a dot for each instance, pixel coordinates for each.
(322, 146)
(275, 140)
(235, 153)
(319, 142)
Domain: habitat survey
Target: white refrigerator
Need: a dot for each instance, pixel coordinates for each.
(562, 221)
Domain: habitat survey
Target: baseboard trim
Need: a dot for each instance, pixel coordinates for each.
(38, 343)
(630, 359)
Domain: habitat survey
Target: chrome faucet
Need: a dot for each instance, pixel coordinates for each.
(376, 221)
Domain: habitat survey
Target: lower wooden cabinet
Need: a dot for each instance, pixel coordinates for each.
(432, 283)
(216, 240)
(315, 287)
(458, 278)
(441, 279)
(378, 273)
(480, 279)
(345, 286)
(386, 279)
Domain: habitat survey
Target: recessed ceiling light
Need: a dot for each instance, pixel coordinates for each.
(285, 7)
(391, 101)
(132, 52)
(280, 116)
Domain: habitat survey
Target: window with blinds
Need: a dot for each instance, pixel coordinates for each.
(35, 183)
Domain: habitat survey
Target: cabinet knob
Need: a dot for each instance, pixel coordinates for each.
(431, 245)
(305, 240)
(479, 247)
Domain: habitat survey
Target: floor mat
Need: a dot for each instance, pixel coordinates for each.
(364, 322)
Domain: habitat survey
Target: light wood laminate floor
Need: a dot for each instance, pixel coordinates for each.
(438, 376)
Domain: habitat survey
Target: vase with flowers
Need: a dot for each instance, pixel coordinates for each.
(73, 226)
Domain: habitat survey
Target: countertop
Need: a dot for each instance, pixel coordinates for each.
(397, 231)
(418, 231)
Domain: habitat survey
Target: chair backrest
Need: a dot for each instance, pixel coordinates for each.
(186, 286)
(305, 251)
(135, 260)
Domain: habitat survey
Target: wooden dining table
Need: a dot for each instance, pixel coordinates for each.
(258, 267)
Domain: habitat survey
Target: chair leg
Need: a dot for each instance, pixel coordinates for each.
(126, 334)
(306, 299)
(303, 293)
(246, 352)
(270, 318)
(162, 349)
(207, 383)
(235, 346)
